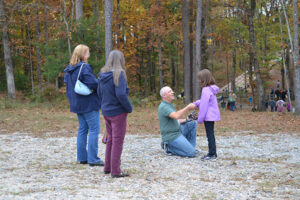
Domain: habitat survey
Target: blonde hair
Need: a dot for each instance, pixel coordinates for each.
(78, 54)
(205, 78)
(116, 63)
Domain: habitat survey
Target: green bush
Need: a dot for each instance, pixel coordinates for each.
(48, 94)
(22, 82)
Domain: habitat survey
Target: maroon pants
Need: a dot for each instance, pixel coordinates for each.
(116, 129)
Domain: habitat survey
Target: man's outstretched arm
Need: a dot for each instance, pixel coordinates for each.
(180, 113)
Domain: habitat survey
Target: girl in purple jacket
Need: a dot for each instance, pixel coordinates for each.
(208, 110)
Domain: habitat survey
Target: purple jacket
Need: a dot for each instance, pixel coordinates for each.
(208, 105)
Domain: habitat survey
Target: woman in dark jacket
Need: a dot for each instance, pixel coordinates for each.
(86, 107)
(115, 105)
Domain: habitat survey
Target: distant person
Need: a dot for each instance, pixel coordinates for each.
(115, 105)
(266, 104)
(283, 94)
(178, 134)
(272, 105)
(223, 103)
(208, 110)
(232, 100)
(280, 104)
(288, 107)
(86, 107)
(272, 94)
(250, 100)
(278, 84)
(277, 93)
(223, 96)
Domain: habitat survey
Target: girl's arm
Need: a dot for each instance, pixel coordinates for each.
(197, 103)
(203, 106)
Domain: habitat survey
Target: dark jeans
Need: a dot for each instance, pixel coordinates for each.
(209, 128)
(232, 105)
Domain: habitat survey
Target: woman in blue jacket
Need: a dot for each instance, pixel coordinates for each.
(86, 107)
(115, 105)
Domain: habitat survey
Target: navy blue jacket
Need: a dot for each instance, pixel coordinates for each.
(80, 103)
(114, 99)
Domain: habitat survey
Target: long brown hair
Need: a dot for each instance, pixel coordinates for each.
(78, 54)
(116, 63)
(205, 78)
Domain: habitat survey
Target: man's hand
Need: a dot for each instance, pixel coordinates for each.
(191, 106)
(180, 113)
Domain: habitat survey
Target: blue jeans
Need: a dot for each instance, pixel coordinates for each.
(88, 123)
(184, 144)
(232, 105)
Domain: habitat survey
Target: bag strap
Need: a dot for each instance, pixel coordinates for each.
(79, 72)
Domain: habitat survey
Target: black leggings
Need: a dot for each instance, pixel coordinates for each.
(209, 127)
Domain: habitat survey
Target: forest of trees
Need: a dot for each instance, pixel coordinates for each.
(165, 42)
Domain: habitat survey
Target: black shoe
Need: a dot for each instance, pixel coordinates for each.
(83, 162)
(120, 175)
(100, 163)
(162, 145)
(209, 157)
(105, 172)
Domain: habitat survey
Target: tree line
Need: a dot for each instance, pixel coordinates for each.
(165, 42)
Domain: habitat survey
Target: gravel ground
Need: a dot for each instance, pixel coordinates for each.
(264, 166)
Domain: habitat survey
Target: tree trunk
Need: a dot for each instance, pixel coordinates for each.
(290, 74)
(192, 48)
(296, 57)
(149, 66)
(251, 77)
(153, 75)
(227, 71)
(141, 65)
(38, 54)
(73, 8)
(108, 27)
(118, 31)
(11, 90)
(284, 75)
(179, 57)
(96, 21)
(237, 40)
(174, 72)
(67, 29)
(186, 55)
(287, 24)
(46, 38)
(253, 56)
(30, 58)
(79, 9)
(233, 70)
(96, 10)
(161, 78)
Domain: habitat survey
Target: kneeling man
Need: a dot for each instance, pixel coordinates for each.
(178, 135)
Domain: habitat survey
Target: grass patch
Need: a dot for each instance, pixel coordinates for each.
(41, 118)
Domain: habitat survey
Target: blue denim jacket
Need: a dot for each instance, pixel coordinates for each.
(80, 103)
